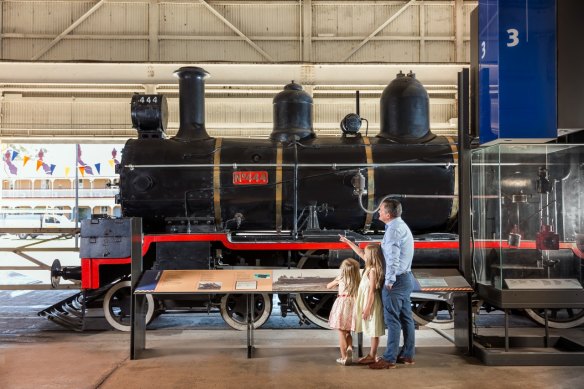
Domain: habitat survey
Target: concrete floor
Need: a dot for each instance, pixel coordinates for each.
(35, 353)
(217, 359)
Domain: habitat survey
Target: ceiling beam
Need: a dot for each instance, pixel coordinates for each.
(68, 30)
(306, 30)
(385, 24)
(237, 31)
(153, 20)
(230, 37)
(459, 29)
(223, 74)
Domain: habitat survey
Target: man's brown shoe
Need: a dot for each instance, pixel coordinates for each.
(382, 364)
(406, 361)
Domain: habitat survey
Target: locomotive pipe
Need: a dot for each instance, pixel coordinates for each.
(295, 233)
(300, 165)
(403, 196)
(191, 86)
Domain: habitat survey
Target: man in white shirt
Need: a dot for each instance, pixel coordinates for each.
(398, 252)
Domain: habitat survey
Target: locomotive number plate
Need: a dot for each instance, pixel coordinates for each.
(250, 178)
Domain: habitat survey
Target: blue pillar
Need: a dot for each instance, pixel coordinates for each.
(517, 71)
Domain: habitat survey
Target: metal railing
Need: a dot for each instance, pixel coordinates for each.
(58, 193)
(26, 254)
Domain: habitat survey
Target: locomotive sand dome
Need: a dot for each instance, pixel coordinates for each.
(292, 114)
(212, 203)
(405, 111)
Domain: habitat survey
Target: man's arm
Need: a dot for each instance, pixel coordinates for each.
(391, 251)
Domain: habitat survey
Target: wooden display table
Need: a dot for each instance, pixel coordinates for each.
(248, 282)
(252, 281)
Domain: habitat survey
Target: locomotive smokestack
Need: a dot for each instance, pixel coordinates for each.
(191, 86)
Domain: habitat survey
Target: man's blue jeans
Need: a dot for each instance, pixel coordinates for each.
(397, 312)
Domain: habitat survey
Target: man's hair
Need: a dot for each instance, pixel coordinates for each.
(393, 207)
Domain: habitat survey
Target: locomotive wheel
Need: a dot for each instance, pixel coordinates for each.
(558, 318)
(117, 305)
(233, 309)
(315, 306)
(429, 313)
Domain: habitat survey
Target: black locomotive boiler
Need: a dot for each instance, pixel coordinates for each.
(196, 183)
(210, 202)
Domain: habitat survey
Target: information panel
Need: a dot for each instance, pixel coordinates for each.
(277, 280)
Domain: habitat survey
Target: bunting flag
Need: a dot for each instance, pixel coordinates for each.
(11, 167)
(91, 169)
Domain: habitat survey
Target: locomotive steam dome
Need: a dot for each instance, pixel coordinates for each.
(405, 111)
(292, 114)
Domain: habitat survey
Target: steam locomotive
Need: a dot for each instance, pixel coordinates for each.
(217, 203)
(280, 202)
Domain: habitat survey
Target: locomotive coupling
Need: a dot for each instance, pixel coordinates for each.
(66, 272)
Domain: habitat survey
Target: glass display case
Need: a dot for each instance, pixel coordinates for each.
(527, 224)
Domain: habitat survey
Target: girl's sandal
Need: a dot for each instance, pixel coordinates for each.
(366, 360)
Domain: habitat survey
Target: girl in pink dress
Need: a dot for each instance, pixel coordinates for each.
(368, 305)
(342, 316)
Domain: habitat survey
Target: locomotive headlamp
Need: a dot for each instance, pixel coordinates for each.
(351, 124)
(149, 115)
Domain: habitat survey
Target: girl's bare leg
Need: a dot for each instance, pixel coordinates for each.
(349, 339)
(374, 345)
(343, 343)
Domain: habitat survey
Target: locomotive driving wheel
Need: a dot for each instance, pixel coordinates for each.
(558, 318)
(234, 307)
(117, 305)
(433, 313)
(315, 306)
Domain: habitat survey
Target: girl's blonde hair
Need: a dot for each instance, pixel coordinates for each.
(350, 275)
(374, 260)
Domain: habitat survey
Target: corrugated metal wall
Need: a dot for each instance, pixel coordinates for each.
(245, 114)
(181, 31)
(251, 31)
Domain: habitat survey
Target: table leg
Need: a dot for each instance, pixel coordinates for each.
(138, 329)
(547, 328)
(249, 319)
(506, 330)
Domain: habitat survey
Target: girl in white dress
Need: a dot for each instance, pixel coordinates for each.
(342, 316)
(368, 305)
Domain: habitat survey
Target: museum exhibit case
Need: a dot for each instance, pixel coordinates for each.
(527, 225)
